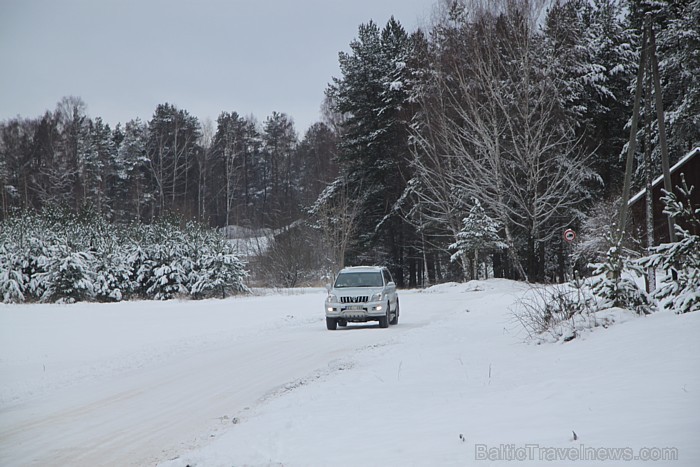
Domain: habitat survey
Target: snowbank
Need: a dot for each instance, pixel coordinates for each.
(466, 387)
(259, 381)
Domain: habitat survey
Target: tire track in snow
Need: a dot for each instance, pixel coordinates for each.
(152, 413)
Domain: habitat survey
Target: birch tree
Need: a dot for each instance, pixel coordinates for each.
(490, 127)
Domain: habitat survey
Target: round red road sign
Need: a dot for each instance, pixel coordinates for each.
(569, 235)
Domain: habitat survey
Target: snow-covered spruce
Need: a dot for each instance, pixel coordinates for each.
(23, 250)
(13, 280)
(479, 235)
(680, 261)
(613, 283)
(68, 277)
(112, 276)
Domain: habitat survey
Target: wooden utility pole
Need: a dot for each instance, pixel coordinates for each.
(649, 178)
(647, 59)
(662, 128)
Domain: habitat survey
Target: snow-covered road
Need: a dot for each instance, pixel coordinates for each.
(158, 377)
(259, 381)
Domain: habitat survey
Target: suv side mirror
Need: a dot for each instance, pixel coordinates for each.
(328, 287)
(391, 284)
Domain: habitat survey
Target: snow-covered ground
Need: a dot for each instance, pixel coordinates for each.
(260, 381)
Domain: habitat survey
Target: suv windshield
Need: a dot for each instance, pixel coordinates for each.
(359, 279)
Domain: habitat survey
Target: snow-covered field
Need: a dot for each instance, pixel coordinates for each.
(259, 381)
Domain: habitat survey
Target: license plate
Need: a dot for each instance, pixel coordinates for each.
(355, 308)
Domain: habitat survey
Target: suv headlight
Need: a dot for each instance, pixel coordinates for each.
(378, 297)
(331, 298)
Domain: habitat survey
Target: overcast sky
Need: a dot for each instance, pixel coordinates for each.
(124, 57)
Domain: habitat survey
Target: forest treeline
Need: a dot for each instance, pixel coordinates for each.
(235, 171)
(461, 149)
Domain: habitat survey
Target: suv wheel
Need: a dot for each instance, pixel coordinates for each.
(331, 324)
(395, 320)
(384, 320)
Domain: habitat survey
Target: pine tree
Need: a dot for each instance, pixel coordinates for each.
(17, 165)
(172, 145)
(229, 148)
(105, 152)
(131, 188)
(317, 153)
(373, 96)
(234, 187)
(280, 169)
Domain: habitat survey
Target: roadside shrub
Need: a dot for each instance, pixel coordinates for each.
(558, 311)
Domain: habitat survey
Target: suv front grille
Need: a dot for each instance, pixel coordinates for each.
(360, 299)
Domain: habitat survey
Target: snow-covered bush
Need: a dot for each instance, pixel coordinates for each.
(140, 269)
(13, 280)
(614, 285)
(215, 269)
(22, 251)
(680, 261)
(216, 273)
(166, 262)
(112, 276)
(171, 261)
(167, 281)
(68, 276)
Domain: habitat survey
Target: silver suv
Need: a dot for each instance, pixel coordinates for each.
(361, 294)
